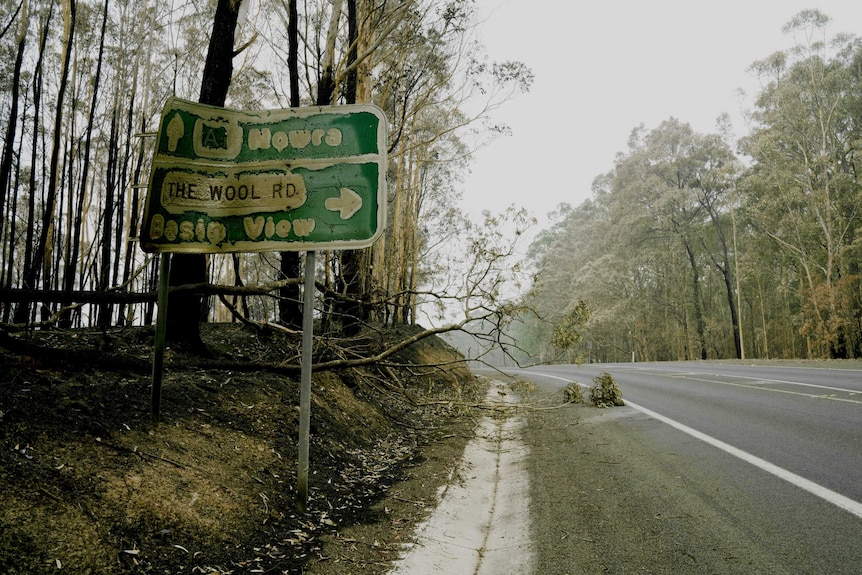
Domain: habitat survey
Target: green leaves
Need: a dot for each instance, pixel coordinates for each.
(570, 330)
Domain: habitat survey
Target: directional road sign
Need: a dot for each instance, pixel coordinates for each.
(274, 180)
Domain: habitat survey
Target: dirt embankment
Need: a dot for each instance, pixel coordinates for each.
(90, 486)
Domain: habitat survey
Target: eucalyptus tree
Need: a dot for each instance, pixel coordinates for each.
(8, 211)
(646, 254)
(127, 52)
(432, 80)
(581, 274)
(30, 272)
(91, 89)
(21, 15)
(44, 249)
(653, 198)
(681, 182)
(76, 208)
(555, 256)
(183, 322)
(803, 190)
(714, 179)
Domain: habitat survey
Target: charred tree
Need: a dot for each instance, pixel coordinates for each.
(186, 311)
(6, 161)
(102, 283)
(351, 310)
(9, 142)
(289, 305)
(33, 252)
(72, 261)
(44, 249)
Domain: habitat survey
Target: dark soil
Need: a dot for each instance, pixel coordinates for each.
(91, 486)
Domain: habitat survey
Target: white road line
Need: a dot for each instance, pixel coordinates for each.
(767, 389)
(688, 374)
(841, 501)
(833, 497)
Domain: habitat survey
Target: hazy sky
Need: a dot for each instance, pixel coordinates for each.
(604, 67)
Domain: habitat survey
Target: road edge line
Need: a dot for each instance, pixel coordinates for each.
(841, 501)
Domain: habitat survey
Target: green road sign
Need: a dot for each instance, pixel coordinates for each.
(275, 180)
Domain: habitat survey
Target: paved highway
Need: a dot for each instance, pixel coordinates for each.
(770, 452)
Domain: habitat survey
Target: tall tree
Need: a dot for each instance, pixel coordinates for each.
(44, 249)
(7, 158)
(31, 267)
(714, 179)
(69, 275)
(289, 307)
(639, 254)
(185, 308)
(352, 313)
(655, 194)
(803, 190)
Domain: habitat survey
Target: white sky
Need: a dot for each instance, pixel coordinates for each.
(602, 67)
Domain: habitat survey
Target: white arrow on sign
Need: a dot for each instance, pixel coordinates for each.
(347, 204)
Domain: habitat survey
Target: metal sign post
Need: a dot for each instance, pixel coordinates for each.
(159, 345)
(305, 382)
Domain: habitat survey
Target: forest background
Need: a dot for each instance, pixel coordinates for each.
(701, 245)
(83, 84)
(692, 246)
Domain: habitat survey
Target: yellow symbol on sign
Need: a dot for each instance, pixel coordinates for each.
(348, 203)
(217, 138)
(176, 130)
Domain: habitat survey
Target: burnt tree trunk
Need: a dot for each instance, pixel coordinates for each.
(289, 304)
(7, 160)
(186, 311)
(72, 262)
(31, 271)
(699, 324)
(44, 247)
(352, 312)
(105, 311)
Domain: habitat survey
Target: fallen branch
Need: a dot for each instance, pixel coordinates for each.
(58, 356)
(139, 453)
(50, 322)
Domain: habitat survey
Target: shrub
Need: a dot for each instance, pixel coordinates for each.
(574, 393)
(605, 392)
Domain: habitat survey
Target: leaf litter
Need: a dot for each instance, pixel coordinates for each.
(91, 487)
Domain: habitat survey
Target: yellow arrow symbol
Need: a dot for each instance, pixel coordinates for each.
(348, 203)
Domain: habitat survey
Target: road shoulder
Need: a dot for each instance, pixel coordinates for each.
(481, 523)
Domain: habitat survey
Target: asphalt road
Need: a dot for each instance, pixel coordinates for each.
(711, 468)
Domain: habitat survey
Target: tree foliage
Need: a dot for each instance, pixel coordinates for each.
(569, 331)
(689, 251)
